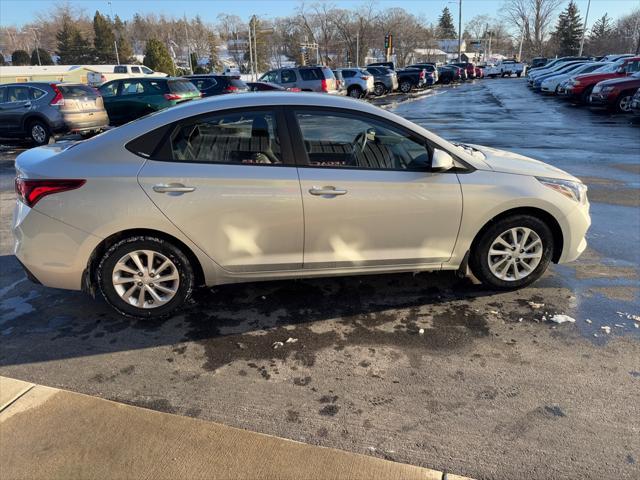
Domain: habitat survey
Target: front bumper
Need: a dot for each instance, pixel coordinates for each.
(575, 227)
(54, 253)
(601, 100)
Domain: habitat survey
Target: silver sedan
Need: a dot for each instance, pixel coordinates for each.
(264, 186)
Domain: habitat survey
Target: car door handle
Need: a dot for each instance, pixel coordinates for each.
(327, 191)
(172, 188)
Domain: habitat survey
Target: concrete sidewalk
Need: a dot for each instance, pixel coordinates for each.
(51, 433)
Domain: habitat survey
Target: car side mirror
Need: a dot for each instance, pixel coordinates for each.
(441, 161)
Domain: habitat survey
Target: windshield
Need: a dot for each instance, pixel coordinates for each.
(610, 67)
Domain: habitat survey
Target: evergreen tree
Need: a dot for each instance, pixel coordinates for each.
(569, 30)
(103, 39)
(20, 57)
(445, 28)
(213, 52)
(157, 57)
(45, 58)
(125, 51)
(603, 28)
(73, 48)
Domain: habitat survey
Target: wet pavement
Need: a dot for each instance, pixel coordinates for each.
(425, 369)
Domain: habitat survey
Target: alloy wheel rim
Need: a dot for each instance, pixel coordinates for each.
(145, 279)
(515, 254)
(625, 103)
(355, 93)
(38, 133)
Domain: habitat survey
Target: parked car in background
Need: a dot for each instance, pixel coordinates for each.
(538, 62)
(431, 72)
(615, 94)
(615, 57)
(635, 103)
(121, 71)
(191, 196)
(531, 79)
(210, 85)
(411, 79)
(385, 80)
(339, 80)
(357, 82)
(269, 87)
(307, 79)
(41, 110)
(505, 68)
(552, 84)
(449, 74)
(579, 89)
(468, 67)
(553, 64)
(479, 72)
(132, 98)
(566, 68)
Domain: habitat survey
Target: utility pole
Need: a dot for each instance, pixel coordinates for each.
(250, 49)
(255, 46)
(115, 36)
(460, 30)
(358, 49)
(584, 30)
(522, 40)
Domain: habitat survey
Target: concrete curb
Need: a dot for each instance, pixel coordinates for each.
(51, 433)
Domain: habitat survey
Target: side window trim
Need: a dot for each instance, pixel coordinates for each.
(288, 159)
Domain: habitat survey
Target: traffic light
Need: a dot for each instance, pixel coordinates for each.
(386, 41)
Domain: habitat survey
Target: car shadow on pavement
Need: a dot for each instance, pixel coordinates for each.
(42, 324)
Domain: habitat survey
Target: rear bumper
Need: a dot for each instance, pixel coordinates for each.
(53, 253)
(77, 122)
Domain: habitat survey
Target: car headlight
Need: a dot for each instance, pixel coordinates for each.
(574, 190)
(606, 89)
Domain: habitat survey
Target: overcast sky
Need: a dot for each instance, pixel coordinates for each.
(19, 12)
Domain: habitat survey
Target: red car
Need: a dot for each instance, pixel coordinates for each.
(469, 68)
(479, 72)
(579, 89)
(616, 93)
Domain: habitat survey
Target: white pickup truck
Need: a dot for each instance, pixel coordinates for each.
(505, 68)
(105, 73)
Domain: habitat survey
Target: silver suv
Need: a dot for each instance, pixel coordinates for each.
(258, 186)
(385, 80)
(307, 79)
(357, 82)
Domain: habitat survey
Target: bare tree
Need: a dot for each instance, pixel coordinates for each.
(534, 19)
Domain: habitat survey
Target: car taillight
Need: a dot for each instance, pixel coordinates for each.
(422, 74)
(172, 96)
(324, 86)
(231, 89)
(365, 77)
(31, 191)
(58, 99)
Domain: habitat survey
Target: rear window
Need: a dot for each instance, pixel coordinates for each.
(119, 69)
(77, 91)
(312, 74)
(203, 83)
(182, 86)
(236, 82)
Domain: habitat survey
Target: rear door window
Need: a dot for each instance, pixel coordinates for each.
(239, 138)
(348, 73)
(18, 94)
(135, 69)
(157, 87)
(203, 83)
(36, 93)
(182, 86)
(311, 74)
(120, 69)
(288, 76)
(132, 87)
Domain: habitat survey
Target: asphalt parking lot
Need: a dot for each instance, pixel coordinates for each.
(491, 389)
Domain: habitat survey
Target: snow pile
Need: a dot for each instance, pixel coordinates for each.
(560, 318)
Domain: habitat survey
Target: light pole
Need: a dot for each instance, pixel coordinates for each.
(115, 36)
(460, 30)
(584, 30)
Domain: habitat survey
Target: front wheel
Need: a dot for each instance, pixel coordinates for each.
(145, 277)
(379, 89)
(623, 103)
(512, 253)
(39, 132)
(355, 92)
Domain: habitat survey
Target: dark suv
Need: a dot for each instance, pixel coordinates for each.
(40, 110)
(210, 85)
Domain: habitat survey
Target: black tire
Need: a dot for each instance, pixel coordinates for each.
(584, 98)
(479, 255)
(405, 86)
(355, 92)
(519, 74)
(106, 266)
(379, 89)
(39, 132)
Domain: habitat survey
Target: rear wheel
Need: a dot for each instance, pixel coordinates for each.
(355, 92)
(145, 277)
(405, 86)
(39, 132)
(623, 103)
(513, 252)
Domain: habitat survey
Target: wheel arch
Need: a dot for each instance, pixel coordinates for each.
(34, 116)
(548, 218)
(89, 275)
